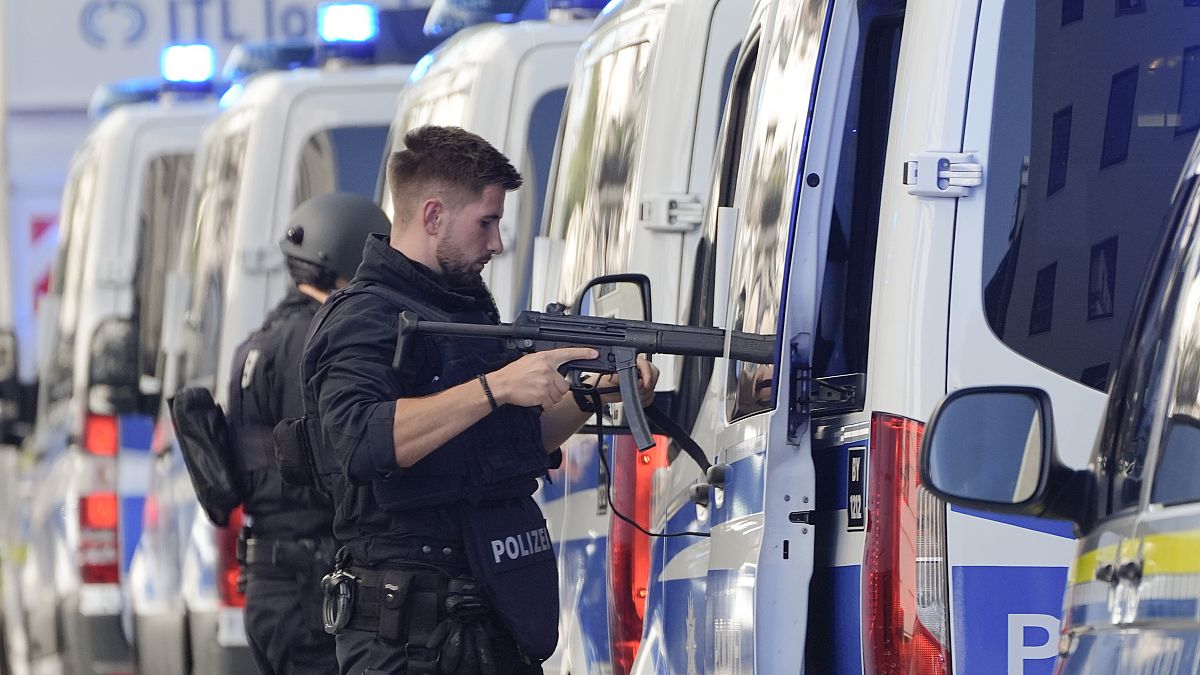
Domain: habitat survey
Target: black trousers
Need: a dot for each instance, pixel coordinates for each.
(283, 624)
(365, 653)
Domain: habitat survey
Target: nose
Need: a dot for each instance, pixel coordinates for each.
(495, 244)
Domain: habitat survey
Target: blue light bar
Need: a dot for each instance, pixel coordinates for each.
(589, 6)
(193, 64)
(347, 22)
(450, 16)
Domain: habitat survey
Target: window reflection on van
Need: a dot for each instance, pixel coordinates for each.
(591, 210)
(1089, 131)
(68, 275)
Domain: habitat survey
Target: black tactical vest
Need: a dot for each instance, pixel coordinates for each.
(500, 456)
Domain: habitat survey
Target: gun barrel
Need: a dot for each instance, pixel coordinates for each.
(644, 336)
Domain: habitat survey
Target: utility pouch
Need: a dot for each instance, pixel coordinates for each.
(394, 586)
(204, 440)
(510, 553)
(293, 452)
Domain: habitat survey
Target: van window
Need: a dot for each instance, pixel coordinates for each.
(768, 177)
(68, 274)
(540, 135)
(161, 219)
(696, 370)
(1090, 128)
(844, 317)
(337, 160)
(1155, 399)
(601, 142)
(217, 189)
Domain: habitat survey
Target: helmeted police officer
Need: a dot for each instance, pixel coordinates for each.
(289, 545)
(446, 565)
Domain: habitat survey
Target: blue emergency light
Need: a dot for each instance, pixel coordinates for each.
(584, 6)
(342, 22)
(188, 64)
(450, 16)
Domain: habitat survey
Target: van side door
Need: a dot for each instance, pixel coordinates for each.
(1079, 117)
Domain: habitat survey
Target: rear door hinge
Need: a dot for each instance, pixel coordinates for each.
(942, 174)
(800, 405)
(669, 212)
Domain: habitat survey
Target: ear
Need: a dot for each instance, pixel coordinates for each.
(431, 214)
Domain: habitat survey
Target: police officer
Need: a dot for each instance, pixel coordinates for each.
(289, 547)
(447, 566)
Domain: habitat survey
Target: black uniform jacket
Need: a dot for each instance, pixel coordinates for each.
(350, 383)
(267, 385)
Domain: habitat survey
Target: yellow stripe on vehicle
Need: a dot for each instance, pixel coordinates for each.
(1171, 553)
(1083, 569)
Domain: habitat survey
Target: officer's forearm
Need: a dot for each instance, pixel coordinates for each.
(422, 425)
(561, 422)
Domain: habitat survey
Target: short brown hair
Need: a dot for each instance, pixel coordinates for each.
(448, 157)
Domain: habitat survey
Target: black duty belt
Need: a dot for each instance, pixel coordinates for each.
(297, 555)
(418, 609)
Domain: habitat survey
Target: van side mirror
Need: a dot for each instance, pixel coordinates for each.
(615, 295)
(992, 448)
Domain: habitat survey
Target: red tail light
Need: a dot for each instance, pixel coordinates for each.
(100, 435)
(228, 572)
(628, 549)
(905, 597)
(99, 545)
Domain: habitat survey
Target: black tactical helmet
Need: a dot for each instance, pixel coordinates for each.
(330, 229)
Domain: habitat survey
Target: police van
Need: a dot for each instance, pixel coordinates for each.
(1131, 601)
(507, 83)
(627, 193)
(921, 196)
(281, 138)
(122, 206)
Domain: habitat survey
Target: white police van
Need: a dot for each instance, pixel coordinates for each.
(912, 197)
(1131, 602)
(507, 83)
(281, 138)
(122, 206)
(631, 174)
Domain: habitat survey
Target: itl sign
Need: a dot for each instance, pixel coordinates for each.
(57, 52)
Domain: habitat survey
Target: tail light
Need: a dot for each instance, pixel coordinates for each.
(100, 435)
(629, 549)
(99, 545)
(905, 597)
(228, 572)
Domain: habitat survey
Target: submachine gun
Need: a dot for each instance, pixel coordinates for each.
(619, 342)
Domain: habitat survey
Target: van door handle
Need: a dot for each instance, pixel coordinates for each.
(1130, 571)
(1106, 573)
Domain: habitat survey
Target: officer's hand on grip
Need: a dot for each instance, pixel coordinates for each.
(534, 380)
(647, 379)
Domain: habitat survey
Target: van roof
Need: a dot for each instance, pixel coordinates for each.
(488, 42)
(287, 85)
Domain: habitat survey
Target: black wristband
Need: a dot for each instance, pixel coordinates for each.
(487, 391)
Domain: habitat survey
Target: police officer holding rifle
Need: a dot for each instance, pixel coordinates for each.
(446, 565)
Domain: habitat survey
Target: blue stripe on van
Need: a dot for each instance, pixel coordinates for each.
(1096, 612)
(1058, 528)
(136, 432)
(745, 486)
(997, 610)
(1159, 609)
(831, 465)
(835, 621)
(131, 527)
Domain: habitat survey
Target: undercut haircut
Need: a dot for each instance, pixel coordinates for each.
(450, 159)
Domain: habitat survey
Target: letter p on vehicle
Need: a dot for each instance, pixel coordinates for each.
(1018, 651)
